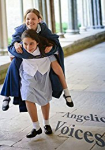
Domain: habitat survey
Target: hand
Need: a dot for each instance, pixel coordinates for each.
(48, 49)
(18, 47)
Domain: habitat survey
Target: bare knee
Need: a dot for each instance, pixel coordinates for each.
(31, 104)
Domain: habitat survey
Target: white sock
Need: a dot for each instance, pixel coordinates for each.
(6, 97)
(67, 93)
(36, 125)
(5, 103)
(46, 122)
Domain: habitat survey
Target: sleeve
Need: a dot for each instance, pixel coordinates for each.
(10, 55)
(54, 50)
(16, 37)
(24, 55)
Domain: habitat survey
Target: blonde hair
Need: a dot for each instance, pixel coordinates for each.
(33, 10)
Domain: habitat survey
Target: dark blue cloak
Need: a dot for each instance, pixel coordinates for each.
(11, 86)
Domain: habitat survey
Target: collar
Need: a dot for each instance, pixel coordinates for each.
(35, 52)
(38, 28)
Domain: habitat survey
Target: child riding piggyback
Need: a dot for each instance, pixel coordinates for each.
(33, 20)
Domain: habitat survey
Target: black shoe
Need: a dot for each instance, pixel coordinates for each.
(34, 133)
(5, 104)
(47, 129)
(70, 104)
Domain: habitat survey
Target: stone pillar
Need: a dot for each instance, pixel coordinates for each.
(3, 25)
(97, 14)
(40, 7)
(35, 3)
(83, 16)
(44, 6)
(61, 35)
(21, 9)
(103, 12)
(51, 15)
(89, 14)
(72, 18)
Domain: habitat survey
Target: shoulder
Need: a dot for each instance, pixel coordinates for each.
(43, 25)
(21, 28)
(45, 31)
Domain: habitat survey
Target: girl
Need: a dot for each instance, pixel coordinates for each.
(35, 80)
(32, 20)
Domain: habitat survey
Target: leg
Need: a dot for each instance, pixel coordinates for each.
(32, 110)
(11, 86)
(6, 99)
(58, 70)
(45, 112)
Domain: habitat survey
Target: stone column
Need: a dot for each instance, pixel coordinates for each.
(89, 14)
(97, 14)
(103, 12)
(44, 6)
(83, 16)
(51, 15)
(35, 3)
(61, 35)
(21, 9)
(40, 7)
(3, 25)
(72, 18)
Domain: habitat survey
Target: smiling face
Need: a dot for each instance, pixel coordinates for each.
(32, 21)
(29, 44)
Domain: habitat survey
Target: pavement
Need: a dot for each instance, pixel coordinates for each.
(79, 128)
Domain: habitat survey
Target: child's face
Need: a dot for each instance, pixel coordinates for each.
(29, 44)
(32, 21)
